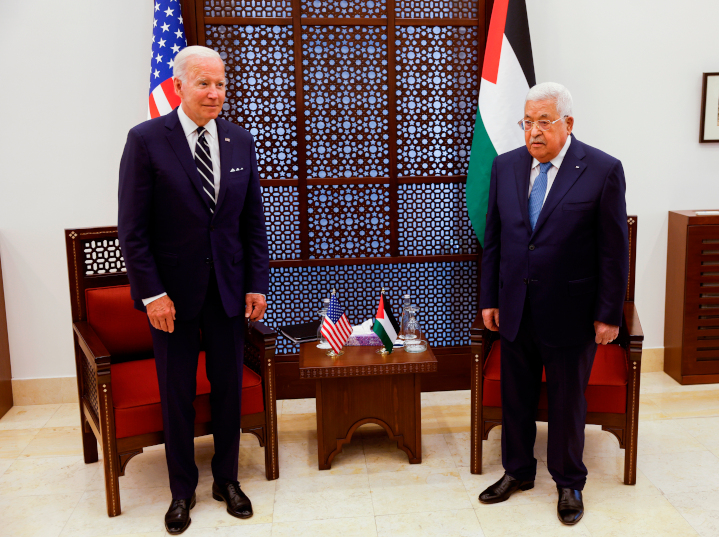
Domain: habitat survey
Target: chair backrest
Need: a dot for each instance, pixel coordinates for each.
(94, 261)
(112, 315)
(100, 292)
(632, 224)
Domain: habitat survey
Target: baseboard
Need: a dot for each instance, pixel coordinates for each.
(46, 391)
(652, 360)
(64, 389)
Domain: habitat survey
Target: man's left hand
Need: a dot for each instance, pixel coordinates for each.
(605, 333)
(256, 306)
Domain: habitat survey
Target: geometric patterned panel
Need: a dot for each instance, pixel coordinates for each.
(445, 294)
(437, 9)
(348, 220)
(345, 95)
(248, 8)
(103, 257)
(433, 220)
(438, 87)
(282, 217)
(344, 8)
(261, 91)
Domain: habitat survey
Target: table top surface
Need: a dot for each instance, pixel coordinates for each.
(359, 361)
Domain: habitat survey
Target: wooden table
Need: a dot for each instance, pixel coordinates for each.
(362, 387)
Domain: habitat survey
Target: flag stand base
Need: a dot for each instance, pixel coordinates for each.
(382, 351)
(334, 354)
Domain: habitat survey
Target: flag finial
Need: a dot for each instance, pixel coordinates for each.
(334, 292)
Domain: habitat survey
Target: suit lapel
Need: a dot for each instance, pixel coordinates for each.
(572, 167)
(521, 173)
(225, 160)
(178, 141)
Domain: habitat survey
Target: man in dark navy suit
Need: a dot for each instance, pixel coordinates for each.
(555, 267)
(193, 236)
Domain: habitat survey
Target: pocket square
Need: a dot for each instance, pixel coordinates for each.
(236, 170)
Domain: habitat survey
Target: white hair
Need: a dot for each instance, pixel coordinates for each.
(179, 68)
(552, 91)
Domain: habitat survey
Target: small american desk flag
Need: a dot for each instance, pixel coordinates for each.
(336, 328)
(168, 38)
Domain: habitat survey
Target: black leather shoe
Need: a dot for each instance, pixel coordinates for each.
(238, 504)
(177, 518)
(570, 507)
(503, 489)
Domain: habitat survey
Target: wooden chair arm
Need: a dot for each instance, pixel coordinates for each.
(90, 343)
(631, 335)
(631, 326)
(478, 324)
(262, 330)
(261, 339)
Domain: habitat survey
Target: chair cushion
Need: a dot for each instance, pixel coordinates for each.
(606, 392)
(136, 396)
(113, 317)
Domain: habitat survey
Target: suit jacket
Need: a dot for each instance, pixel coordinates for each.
(574, 264)
(169, 236)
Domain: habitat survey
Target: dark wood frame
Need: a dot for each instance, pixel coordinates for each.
(454, 361)
(94, 378)
(624, 426)
(6, 399)
(705, 82)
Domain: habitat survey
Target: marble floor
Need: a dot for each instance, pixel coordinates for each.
(47, 490)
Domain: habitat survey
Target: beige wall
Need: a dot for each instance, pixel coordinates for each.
(75, 79)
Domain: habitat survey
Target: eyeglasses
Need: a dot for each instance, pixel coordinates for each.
(542, 124)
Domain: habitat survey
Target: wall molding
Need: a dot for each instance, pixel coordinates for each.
(45, 391)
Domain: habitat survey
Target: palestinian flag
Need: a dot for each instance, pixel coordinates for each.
(385, 325)
(507, 75)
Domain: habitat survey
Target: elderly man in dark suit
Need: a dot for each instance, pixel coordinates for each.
(193, 236)
(555, 267)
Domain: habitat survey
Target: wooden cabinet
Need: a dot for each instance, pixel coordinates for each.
(5, 374)
(691, 321)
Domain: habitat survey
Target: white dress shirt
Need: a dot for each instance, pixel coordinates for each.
(552, 173)
(190, 128)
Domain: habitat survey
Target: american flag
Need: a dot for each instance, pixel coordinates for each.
(336, 328)
(168, 38)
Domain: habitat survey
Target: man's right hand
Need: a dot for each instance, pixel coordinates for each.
(161, 313)
(490, 316)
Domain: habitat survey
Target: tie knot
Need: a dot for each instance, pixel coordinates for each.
(544, 167)
(200, 131)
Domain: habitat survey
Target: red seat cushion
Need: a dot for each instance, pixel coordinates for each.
(606, 392)
(113, 317)
(136, 396)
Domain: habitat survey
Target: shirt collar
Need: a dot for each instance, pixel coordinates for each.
(557, 161)
(190, 126)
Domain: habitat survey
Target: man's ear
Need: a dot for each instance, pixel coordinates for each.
(570, 124)
(177, 83)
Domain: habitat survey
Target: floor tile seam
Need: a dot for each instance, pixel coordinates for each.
(678, 511)
(82, 495)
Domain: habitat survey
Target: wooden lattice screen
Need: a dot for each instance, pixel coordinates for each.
(362, 112)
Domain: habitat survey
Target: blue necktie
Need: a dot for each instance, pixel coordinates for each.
(536, 197)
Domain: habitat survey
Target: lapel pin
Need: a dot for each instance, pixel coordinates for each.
(577, 166)
(227, 139)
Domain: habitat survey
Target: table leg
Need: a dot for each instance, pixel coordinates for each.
(344, 404)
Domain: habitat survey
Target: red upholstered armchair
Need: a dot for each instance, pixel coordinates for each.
(116, 377)
(612, 394)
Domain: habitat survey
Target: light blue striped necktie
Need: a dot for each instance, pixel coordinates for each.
(536, 197)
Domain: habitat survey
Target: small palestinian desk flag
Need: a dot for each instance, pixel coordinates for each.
(385, 325)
